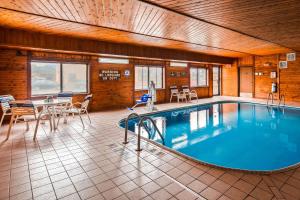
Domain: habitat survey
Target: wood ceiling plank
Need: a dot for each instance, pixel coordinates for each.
(70, 7)
(136, 17)
(272, 20)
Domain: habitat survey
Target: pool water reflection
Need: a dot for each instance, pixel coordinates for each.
(232, 134)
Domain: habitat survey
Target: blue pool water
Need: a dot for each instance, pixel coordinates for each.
(232, 134)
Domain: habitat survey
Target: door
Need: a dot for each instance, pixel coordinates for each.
(216, 80)
(246, 81)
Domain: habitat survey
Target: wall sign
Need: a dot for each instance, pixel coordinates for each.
(109, 75)
(273, 75)
(127, 72)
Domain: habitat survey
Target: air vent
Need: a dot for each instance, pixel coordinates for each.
(114, 60)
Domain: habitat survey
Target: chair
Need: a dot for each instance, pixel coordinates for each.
(189, 93)
(26, 111)
(143, 100)
(6, 111)
(174, 93)
(66, 96)
(78, 108)
(181, 96)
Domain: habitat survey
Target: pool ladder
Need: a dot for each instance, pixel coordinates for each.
(271, 97)
(140, 125)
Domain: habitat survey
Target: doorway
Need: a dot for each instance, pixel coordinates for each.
(216, 80)
(246, 81)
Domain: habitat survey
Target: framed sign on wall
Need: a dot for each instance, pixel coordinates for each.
(109, 75)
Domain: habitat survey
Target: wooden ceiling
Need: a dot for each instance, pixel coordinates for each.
(277, 21)
(135, 22)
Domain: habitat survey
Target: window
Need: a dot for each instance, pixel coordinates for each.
(199, 77)
(145, 74)
(55, 77)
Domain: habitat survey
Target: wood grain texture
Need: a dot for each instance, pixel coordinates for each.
(290, 79)
(263, 83)
(133, 22)
(247, 61)
(272, 20)
(230, 80)
(246, 79)
(13, 73)
(38, 41)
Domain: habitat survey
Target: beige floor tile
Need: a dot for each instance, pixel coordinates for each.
(235, 194)
(210, 193)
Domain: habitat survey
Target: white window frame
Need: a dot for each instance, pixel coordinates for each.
(197, 70)
(148, 77)
(61, 76)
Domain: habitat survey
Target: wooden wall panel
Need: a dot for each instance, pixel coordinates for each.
(230, 80)
(111, 94)
(41, 42)
(263, 83)
(174, 80)
(13, 73)
(290, 79)
(246, 61)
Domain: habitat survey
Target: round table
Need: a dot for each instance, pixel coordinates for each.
(51, 105)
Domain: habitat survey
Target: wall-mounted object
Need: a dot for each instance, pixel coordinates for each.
(267, 64)
(291, 56)
(109, 75)
(177, 74)
(178, 64)
(256, 73)
(273, 75)
(283, 64)
(127, 72)
(172, 74)
(114, 60)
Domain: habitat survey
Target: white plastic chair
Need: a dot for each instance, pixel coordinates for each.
(78, 108)
(191, 94)
(68, 97)
(26, 111)
(6, 110)
(181, 96)
(174, 93)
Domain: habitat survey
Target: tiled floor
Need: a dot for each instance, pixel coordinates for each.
(73, 163)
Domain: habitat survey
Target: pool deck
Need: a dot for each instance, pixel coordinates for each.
(92, 163)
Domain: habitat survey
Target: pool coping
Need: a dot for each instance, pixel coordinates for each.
(202, 162)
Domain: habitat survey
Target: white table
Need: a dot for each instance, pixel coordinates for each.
(51, 105)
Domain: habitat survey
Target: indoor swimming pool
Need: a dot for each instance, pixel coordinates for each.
(235, 135)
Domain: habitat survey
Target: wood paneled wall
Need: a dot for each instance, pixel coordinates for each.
(111, 94)
(13, 73)
(263, 83)
(15, 78)
(290, 79)
(230, 80)
(42, 42)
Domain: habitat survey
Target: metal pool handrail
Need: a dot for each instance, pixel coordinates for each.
(280, 99)
(270, 95)
(141, 123)
(132, 115)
